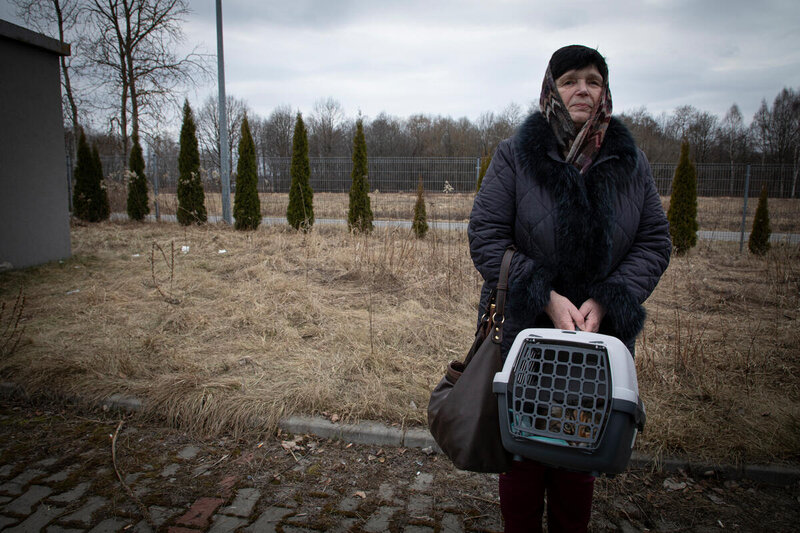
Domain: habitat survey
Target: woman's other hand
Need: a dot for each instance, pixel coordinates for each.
(592, 312)
(563, 313)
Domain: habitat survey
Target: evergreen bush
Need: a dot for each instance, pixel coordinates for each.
(485, 160)
(246, 204)
(83, 174)
(89, 198)
(682, 213)
(300, 212)
(359, 213)
(138, 206)
(759, 237)
(101, 209)
(420, 224)
(191, 198)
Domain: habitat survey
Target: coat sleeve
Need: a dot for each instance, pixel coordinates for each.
(491, 231)
(634, 279)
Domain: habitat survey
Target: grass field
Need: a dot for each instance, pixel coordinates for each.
(362, 327)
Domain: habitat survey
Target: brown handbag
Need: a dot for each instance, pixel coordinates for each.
(463, 413)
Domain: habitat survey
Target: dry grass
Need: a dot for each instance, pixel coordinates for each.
(385, 206)
(719, 359)
(714, 214)
(363, 327)
(281, 323)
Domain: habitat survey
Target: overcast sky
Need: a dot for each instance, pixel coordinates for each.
(460, 58)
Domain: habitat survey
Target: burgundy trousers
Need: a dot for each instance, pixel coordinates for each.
(522, 490)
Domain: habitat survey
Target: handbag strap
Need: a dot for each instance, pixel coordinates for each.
(498, 313)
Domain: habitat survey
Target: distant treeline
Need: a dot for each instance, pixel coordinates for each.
(771, 137)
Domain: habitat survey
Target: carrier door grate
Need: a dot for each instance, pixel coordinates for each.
(560, 393)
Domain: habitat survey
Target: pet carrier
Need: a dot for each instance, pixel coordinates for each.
(569, 399)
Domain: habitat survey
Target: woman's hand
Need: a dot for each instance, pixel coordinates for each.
(592, 312)
(563, 313)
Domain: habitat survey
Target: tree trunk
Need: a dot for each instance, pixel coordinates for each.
(73, 108)
(128, 59)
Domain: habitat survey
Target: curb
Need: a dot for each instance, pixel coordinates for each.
(367, 432)
(379, 434)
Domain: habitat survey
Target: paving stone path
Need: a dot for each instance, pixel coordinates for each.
(29, 502)
(58, 475)
(69, 483)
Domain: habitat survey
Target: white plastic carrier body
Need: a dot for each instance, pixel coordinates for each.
(569, 399)
(623, 369)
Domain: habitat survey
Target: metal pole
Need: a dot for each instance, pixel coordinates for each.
(744, 208)
(225, 164)
(477, 171)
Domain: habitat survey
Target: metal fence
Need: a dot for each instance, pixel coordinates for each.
(401, 174)
(733, 180)
(726, 193)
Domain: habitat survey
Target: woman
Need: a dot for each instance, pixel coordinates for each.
(576, 197)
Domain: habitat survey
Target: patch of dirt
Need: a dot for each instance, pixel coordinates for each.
(312, 476)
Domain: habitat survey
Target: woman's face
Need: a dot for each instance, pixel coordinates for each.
(580, 91)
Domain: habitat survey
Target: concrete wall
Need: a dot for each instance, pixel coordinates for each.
(34, 203)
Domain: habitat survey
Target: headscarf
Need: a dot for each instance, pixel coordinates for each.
(583, 145)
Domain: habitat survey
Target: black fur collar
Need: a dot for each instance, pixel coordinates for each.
(535, 144)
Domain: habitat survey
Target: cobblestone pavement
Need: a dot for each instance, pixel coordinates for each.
(63, 470)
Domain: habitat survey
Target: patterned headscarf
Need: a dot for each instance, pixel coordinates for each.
(584, 144)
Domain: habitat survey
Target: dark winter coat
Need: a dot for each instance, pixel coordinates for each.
(603, 235)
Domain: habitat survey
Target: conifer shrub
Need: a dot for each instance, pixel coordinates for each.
(83, 174)
(485, 160)
(759, 236)
(137, 206)
(359, 213)
(246, 204)
(101, 208)
(191, 198)
(682, 212)
(89, 198)
(300, 212)
(420, 224)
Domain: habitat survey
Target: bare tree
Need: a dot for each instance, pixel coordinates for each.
(784, 130)
(466, 138)
(325, 127)
(510, 118)
(677, 125)
(134, 44)
(418, 130)
(777, 131)
(278, 130)
(208, 126)
(485, 125)
(494, 128)
(760, 127)
(385, 137)
(701, 134)
(650, 136)
(733, 135)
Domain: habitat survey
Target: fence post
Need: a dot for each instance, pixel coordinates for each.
(477, 172)
(744, 208)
